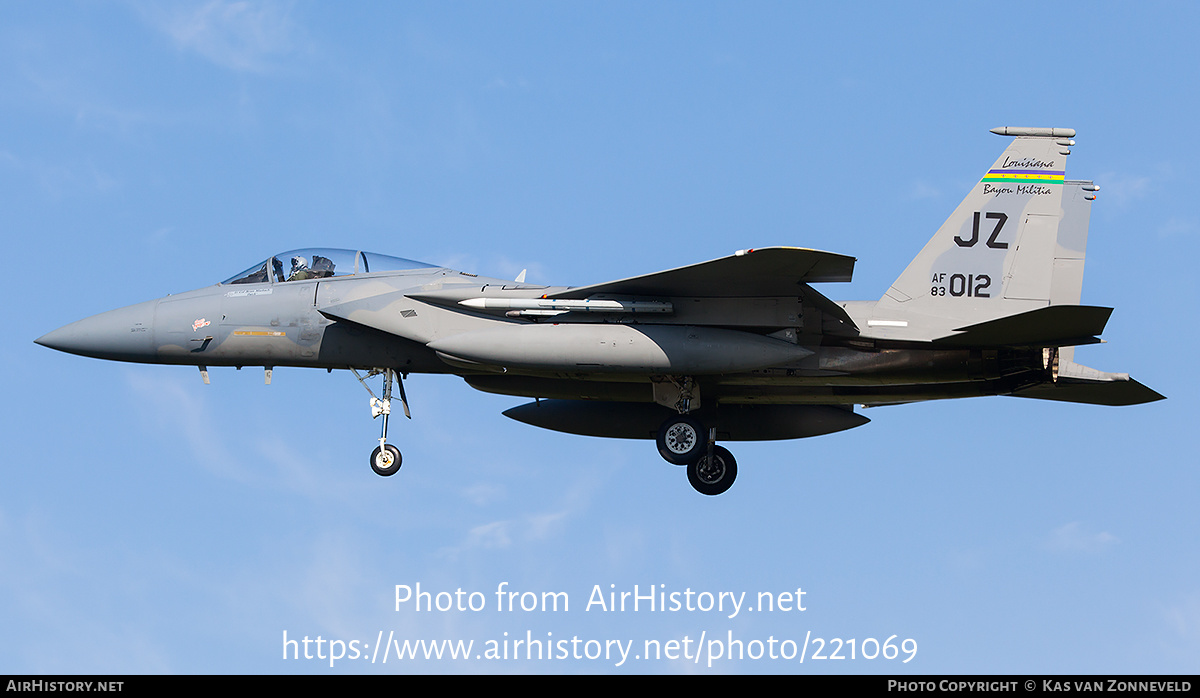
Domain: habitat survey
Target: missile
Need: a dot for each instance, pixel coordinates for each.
(1034, 131)
(619, 348)
(565, 305)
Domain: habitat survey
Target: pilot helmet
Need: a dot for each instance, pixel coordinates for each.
(298, 263)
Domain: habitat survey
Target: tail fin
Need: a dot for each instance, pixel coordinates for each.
(1066, 282)
(1016, 243)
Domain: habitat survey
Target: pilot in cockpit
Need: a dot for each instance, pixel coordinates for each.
(300, 270)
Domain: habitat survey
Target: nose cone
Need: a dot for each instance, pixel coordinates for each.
(125, 334)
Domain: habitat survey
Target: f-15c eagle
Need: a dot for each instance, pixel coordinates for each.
(734, 349)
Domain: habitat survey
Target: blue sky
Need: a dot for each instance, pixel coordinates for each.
(150, 523)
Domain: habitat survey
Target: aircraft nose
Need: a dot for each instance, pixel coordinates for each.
(125, 334)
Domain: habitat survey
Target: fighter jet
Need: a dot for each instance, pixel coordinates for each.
(733, 349)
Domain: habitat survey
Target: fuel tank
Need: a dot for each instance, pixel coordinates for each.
(640, 420)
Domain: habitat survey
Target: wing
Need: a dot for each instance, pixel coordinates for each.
(756, 273)
(770, 271)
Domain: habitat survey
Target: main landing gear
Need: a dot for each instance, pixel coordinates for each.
(683, 440)
(386, 458)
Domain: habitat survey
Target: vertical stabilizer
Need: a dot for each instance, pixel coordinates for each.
(1015, 243)
(1066, 288)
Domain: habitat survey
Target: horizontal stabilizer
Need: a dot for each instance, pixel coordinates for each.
(770, 271)
(1113, 393)
(1055, 325)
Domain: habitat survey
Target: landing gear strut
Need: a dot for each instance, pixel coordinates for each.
(386, 458)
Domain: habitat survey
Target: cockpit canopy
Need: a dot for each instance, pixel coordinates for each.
(320, 263)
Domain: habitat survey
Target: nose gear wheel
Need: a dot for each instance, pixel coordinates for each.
(386, 460)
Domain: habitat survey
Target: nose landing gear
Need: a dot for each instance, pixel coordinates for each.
(386, 458)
